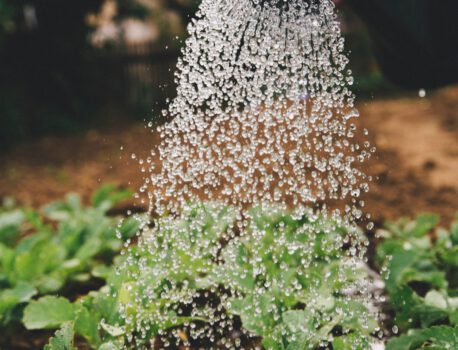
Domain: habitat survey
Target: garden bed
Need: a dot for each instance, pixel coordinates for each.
(55, 263)
(415, 170)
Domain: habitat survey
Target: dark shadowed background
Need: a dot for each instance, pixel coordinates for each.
(66, 66)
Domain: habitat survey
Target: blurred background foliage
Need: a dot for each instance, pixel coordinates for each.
(60, 71)
(66, 66)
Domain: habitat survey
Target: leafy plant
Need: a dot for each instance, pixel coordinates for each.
(287, 278)
(289, 275)
(95, 317)
(421, 264)
(10, 224)
(63, 339)
(100, 317)
(48, 313)
(438, 338)
(69, 243)
(157, 290)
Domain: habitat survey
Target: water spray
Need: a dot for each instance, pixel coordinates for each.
(262, 126)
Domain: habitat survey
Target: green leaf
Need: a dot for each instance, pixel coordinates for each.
(42, 259)
(89, 249)
(298, 321)
(71, 267)
(129, 227)
(428, 315)
(72, 233)
(7, 257)
(400, 261)
(87, 325)
(108, 196)
(22, 292)
(29, 242)
(35, 219)
(274, 340)
(104, 304)
(102, 271)
(58, 211)
(454, 231)
(440, 337)
(73, 201)
(350, 342)
(48, 312)
(109, 346)
(9, 298)
(61, 211)
(11, 218)
(302, 327)
(450, 256)
(114, 331)
(355, 316)
(63, 339)
(454, 318)
(10, 223)
(81, 277)
(422, 225)
(50, 283)
(415, 274)
(412, 310)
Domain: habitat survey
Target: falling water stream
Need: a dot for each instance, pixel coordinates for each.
(264, 117)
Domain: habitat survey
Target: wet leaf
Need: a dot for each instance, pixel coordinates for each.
(63, 339)
(441, 337)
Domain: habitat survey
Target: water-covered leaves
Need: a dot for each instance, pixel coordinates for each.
(63, 340)
(434, 338)
(284, 281)
(175, 291)
(289, 275)
(262, 117)
(280, 268)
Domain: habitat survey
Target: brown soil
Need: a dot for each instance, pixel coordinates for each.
(416, 164)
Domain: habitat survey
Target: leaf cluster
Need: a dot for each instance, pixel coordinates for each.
(261, 276)
(65, 244)
(290, 275)
(420, 262)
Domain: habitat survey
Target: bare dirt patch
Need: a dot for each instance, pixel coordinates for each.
(416, 163)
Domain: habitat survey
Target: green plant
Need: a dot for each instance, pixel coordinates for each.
(100, 317)
(67, 243)
(63, 339)
(257, 276)
(286, 278)
(421, 264)
(289, 276)
(95, 317)
(433, 338)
